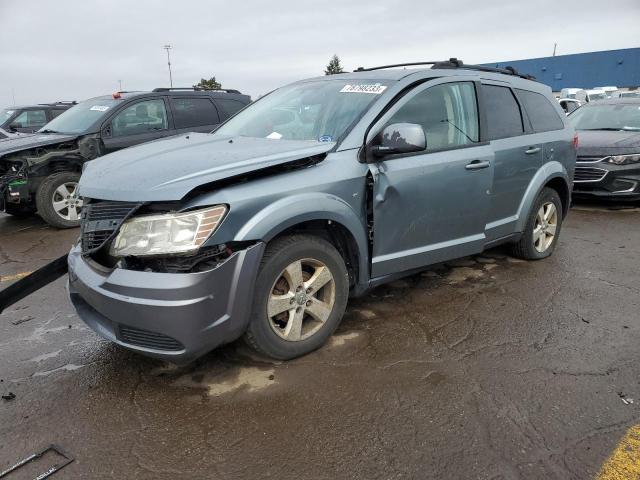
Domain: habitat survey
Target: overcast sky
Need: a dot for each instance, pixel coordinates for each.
(76, 49)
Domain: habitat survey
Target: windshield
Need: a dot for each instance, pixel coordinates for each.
(323, 111)
(79, 118)
(607, 117)
(6, 115)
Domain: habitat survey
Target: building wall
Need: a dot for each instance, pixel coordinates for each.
(582, 70)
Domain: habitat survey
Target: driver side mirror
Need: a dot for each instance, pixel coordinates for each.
(399, 138)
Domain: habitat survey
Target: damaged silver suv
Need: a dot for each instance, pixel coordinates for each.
(317, 192)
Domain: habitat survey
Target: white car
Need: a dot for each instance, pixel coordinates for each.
(609, 91)
(569, 104)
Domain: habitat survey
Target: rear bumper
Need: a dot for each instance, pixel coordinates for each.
(621, 182)
(171, 316)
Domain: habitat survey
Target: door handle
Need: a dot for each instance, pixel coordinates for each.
(532, 150)
(477, 165)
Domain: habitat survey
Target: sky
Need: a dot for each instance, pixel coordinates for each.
(76, 49)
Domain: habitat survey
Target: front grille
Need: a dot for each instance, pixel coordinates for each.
(584, 159)
(589, 174)
(147, 339)
(100, 220)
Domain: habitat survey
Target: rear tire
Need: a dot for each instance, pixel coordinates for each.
(57, 200)
(300, 296)
(542, 230)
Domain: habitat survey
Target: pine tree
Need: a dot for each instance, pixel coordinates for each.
(210, 84)
(334, 66)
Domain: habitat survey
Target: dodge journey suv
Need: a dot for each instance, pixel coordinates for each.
(317, 192)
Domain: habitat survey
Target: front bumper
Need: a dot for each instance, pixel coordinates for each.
(604, 180)
(171, 316)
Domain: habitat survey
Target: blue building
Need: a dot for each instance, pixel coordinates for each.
(583, 70)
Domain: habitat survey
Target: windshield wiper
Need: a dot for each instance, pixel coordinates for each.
(607, 129)
(48, 130)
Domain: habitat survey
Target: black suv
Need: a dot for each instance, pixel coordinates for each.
(41, 172)
(30, 118)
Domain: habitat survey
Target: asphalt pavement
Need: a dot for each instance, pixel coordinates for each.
(488, 368)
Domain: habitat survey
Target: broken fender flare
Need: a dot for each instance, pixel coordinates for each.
(32, 282)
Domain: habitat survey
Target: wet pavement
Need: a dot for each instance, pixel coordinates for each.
(488, 368)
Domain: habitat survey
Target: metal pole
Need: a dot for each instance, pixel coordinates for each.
(13, 94)
(555, 45)
(167, 48)
(120, 83)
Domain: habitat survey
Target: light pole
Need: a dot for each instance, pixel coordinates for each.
(120, 83)
(167, 48)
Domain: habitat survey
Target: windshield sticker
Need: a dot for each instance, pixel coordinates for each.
(99, 108)
(375, 88)
(274, 136)
(325, 138)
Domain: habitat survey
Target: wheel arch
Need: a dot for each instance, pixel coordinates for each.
(324, 215)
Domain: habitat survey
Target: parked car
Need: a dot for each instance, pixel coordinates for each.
(266, 227)
(570, 92)
(627, 94)
(609, 91)
(41, 172)
(569, 104)
(31, 118)
(608, 164)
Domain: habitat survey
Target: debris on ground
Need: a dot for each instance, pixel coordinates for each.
(67, 459)
(626, 400)
(9, 396)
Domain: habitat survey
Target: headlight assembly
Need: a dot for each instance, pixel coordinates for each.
(167, 234)
(624, 159)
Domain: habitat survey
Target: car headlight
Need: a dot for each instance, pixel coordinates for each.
(166, 234)
(624, 159)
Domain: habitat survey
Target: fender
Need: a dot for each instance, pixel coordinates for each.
(296, 209)
(547, 172)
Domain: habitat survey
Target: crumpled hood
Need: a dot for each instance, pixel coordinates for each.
(27, 141)
(603, 142)
(168, 169)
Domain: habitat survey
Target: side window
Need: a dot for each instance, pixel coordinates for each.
(502, 111)
(54, 113)
(193, 112)
(141, 117)
(448, 114)
(540, 111)
(30, 119)
(228, 106)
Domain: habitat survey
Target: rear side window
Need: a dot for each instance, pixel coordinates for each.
(502, 111)
(30, 119)
(193, 112)
(540, 111)
(228, 106)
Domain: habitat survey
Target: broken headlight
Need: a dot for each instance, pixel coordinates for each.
(167, 234)
(624, 159)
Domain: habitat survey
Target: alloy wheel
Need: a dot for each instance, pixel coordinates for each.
(301, 299)
(66, 202)
(546, 224)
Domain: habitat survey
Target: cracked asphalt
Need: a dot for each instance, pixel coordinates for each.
(488, 368)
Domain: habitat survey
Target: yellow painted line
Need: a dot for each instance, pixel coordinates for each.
(624, 462)
(11, 278)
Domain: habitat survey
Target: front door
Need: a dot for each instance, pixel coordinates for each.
(138, 123)
(432, 206)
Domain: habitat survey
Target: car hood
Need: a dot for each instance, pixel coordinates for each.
(168, 169)
(604, 142)
(27, 141)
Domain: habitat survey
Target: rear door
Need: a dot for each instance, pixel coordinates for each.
(518, 155)
(194, 114)
(136, 123)
(431, 206)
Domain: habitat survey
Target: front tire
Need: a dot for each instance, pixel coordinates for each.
(300, 297)
(542, 230)
(57, 200)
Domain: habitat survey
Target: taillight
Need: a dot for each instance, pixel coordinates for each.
(575, 141)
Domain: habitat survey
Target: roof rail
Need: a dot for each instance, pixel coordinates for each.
(195, 89)
(62, 102)
(453, 63)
